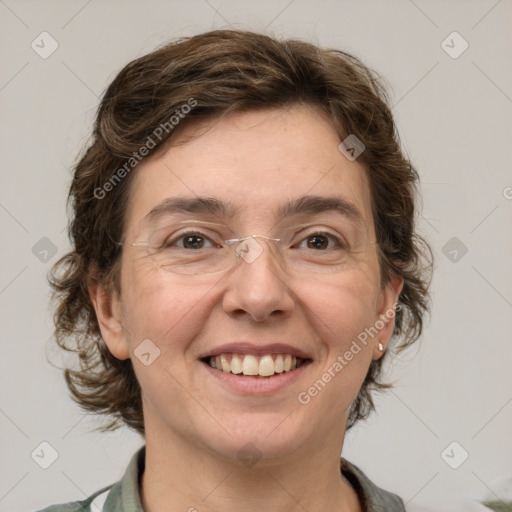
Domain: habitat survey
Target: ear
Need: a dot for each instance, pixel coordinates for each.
(385, 321)
(107, 305)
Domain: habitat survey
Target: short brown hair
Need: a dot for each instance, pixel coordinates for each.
(225, 71)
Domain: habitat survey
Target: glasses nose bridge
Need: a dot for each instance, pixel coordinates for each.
(247, 248)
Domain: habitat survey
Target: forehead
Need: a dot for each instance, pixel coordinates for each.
(254, 163)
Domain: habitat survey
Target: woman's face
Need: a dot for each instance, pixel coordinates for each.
(267, 307)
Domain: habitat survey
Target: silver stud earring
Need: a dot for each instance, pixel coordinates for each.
(381, 347)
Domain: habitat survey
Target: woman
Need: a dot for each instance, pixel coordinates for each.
(243, 254)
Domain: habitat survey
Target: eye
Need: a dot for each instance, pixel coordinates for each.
(193, 240)
(322, 241)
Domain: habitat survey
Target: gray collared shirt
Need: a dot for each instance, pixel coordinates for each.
(124, 496)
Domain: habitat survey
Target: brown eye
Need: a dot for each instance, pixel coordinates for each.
(318, 242)
(193, 242)
(322, 241)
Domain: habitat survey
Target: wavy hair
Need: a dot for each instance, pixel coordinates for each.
(225, 71)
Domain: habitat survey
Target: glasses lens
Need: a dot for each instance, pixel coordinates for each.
(189, 248)
(325, 247)
(193, 248)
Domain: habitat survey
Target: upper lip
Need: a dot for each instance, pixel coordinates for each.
(255, 349)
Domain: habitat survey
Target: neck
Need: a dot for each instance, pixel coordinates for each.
(180, 476)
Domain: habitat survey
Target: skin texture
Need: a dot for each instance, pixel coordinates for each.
(196, 425)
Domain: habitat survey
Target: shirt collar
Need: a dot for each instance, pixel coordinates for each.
(125, 495)
(373, 498)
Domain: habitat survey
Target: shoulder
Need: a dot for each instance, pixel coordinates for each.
(373, 498)
(123, 495)
(75, 506)
(93, 502)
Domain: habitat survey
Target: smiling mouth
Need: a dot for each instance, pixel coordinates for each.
(248, 365)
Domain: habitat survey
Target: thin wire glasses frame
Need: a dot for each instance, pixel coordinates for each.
(224, 253)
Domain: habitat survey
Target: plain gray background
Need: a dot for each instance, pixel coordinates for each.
(454, 116)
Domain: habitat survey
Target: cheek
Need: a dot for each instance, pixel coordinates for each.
(342, 313)
(168, 315)
(156, 309)
(341, 309)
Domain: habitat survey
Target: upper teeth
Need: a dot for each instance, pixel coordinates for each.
(248, 364)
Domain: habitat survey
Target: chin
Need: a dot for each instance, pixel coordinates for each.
(259, 438)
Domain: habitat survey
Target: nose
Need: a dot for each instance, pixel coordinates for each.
(257, 285)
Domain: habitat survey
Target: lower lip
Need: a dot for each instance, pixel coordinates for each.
(257, 386)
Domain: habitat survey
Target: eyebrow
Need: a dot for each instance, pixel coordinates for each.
(192, 205)
(320, 204)
(309, 204)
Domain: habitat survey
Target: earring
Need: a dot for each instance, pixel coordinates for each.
(381, 347)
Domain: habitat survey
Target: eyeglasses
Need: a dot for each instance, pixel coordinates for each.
(196, 248)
